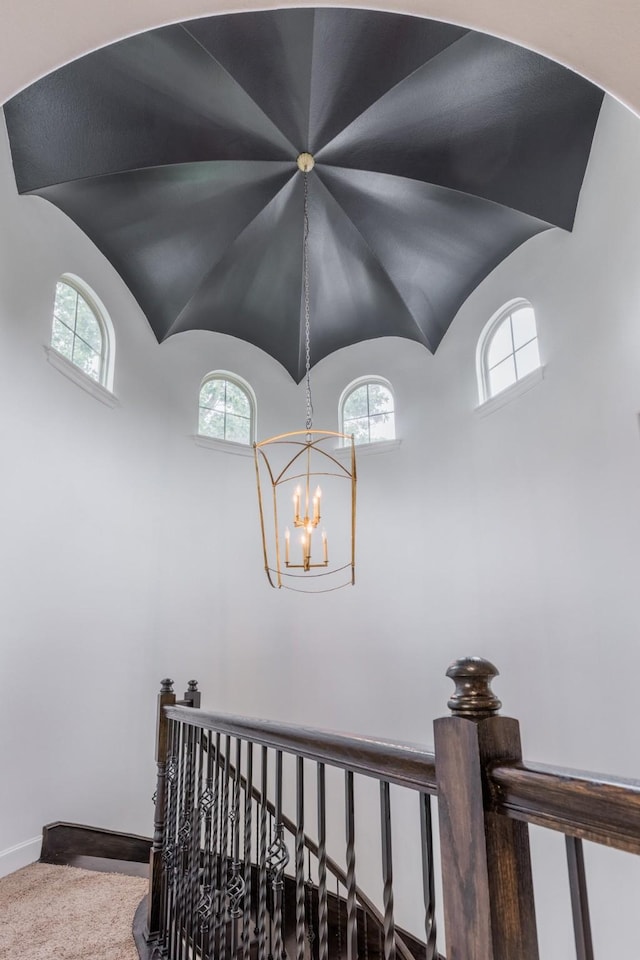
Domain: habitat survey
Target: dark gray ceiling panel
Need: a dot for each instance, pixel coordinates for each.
(438, 152)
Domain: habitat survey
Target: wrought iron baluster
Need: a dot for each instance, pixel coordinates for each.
(205, 903)
(323, 913)
(186, 842)
(311, 934)
(428, 887)
(168, 850)
(182, 837)
(579, 899)
(300, 898)
(271, 904)
(277, 860)
(262, 861)
(236, 884)
(387, 873)
(224, 850)
(352, 913)
(339, 933)
(193, 895)
(215, 852)
(246, 913)
(176, 951)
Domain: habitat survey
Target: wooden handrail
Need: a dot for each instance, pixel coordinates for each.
(487, 795)
(579, 803)
(592, 806)
(405, 764)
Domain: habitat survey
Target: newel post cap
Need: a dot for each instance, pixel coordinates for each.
(166, 686)
(473, 696)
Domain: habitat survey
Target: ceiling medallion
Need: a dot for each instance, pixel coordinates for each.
(290, 469)
(305, 162)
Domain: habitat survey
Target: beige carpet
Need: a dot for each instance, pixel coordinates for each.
(63, 913)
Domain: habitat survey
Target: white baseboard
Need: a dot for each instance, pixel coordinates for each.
(20, 856)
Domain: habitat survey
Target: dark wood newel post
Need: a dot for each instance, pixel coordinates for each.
(166, 698)
(486, 866)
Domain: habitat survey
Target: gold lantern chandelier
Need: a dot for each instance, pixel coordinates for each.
(307, 485)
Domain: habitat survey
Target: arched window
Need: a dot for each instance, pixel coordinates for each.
(80, 329)
(507, 349)
(226, 408)
(366, 410)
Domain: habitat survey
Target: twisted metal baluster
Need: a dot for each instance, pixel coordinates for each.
(168, 854)
(366, 935)
(192, 838)
(271, 897)
(180, 813)
(224, 851)
(262, 863)
(246, 913)
(300, 898)
(215, 855)
(184, 835)
(311, 934)
(277, 860)
(426, 835)
(172, 838)
(205, 904)
(352, 913)
(235, 888)
(193, 889)
(323, 913)
(387, 873)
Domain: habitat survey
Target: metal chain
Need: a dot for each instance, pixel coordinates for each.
(307, 328)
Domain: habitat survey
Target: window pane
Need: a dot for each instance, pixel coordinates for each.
(381, 427)
(527, 359)
(213, 394)
(238, 429)
(87, 359)
(500, 345)
(211, 423)
(87, 326)
(524, 326)
(65, 304)
(359, 428)
(237, 400)
(356, 404)
(62, 339)
(380, 399)
(502, 376)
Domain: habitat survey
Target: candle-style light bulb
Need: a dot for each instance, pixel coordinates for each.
(316, 505)
(287, 539)
(296, 504)
(325, 547)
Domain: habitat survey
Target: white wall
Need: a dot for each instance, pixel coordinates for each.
(131, 553)
(515, 536)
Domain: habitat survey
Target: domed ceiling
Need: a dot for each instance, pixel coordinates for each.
(437, 152)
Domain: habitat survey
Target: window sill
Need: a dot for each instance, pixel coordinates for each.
(79, 377)
(368, 449)
(511, 393)
(223, 446)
